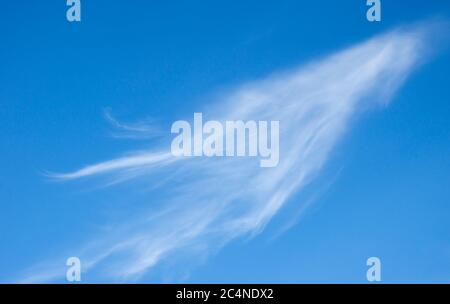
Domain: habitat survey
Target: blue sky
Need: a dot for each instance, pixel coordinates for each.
(382, 192)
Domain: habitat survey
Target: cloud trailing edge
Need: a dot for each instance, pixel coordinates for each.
(210, 201)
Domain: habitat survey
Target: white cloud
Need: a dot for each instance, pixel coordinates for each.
(143, 129)
(216, 200)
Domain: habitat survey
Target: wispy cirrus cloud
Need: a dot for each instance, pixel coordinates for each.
(143, 129)
(214, 200)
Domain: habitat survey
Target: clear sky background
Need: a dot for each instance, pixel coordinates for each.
(385, 192)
